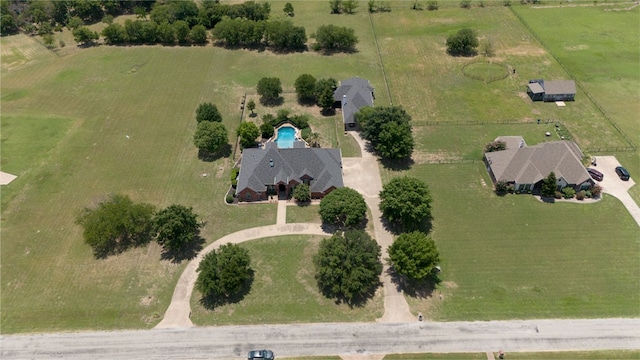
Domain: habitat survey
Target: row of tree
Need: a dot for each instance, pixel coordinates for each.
(281, 34)
(118, 224)
(151, 32)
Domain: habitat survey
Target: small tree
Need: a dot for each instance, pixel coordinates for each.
(210, 136)
(344, 207)
(223, 272)
(349, 6)
(414, 255)
(266, 130)
(336, 6)
(208, 112)
(116, 224)
(324, 92)
(198, 34)
(568, 192)
(269, 89)
(332, 37)
(348, 266)
(495, 146)
(406, 201)
(465, 4)
(462, 43)
(248, 132)
(305, 88)
(48, 40)
(83, 35)
(114, 34)
(432, 5)
(251, 105)
(176, 227)
(487, 49)
(288, 9)
(549, 185)
(302, 193)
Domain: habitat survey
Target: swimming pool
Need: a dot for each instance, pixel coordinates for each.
(286, 137)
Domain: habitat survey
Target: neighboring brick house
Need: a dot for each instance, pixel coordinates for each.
(274, 171)
(526, 166)
(352, 94)
(552, 90)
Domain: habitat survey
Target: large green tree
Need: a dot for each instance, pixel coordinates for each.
(248, 132)
(116, 224)
(269, 88)
(549, 185)
(414, 255)
(224, 271)
(208, 112)
(332, 38)
(114, 33)
(198, 34)
(348, 266)
(388, 129)
(344, 207)
(84, 35)
(406, 201)
(463, 43)
(305, 86)
(324, 92)
(210, 136)
(395, 141)
(176, 227)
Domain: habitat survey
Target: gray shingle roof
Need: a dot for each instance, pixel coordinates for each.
(535, 88)
(324, 166)
(354, 93)
(528, 165)
(559, 87)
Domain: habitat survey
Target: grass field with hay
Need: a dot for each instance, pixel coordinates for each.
(80, 124)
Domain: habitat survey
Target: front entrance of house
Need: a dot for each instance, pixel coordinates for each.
(282, 192)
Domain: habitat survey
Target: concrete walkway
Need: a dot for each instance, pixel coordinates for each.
(363, 175)
(179, 311)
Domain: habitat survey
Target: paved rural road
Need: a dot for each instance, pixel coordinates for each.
(233, 342)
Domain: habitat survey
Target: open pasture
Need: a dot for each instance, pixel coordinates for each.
(87, 101)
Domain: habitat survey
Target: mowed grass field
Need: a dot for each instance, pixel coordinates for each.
(514, 257)
(87, 101)
(284, 289)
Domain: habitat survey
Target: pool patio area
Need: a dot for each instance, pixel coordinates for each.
(288, 136)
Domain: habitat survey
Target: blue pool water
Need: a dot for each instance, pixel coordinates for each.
(286, 136)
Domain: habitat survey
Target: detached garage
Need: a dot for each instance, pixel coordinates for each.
(552, 90)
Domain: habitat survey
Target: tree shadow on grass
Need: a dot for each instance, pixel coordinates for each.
(416, 289)
(357, 301)
(213, 301)
(187, 252)
(397, 228)
(272, 102)
(328, 112)
(397, 165)
(207, 156)
(120, 245)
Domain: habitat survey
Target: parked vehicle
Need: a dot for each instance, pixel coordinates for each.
(622, 173)
(261, 355)
(595, 174)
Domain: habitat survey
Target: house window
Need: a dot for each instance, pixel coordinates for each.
(523, 187)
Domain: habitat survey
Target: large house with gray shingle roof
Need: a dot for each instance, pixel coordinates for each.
(275, 171)
(352, 94)
(526, 166)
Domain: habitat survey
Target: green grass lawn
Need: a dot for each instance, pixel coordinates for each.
(557, 355)
(515, 257)
(79, 107)
(284, 289)
(303, 214)
(429, 356)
